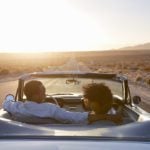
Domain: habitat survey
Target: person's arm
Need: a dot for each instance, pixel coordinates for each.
(11, 106)
(71, 117)
(54, 111)
(7, 104)
(80, 117)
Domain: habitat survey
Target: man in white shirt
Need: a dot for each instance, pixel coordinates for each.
(35, 107)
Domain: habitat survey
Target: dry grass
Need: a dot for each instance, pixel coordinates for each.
(134, 64)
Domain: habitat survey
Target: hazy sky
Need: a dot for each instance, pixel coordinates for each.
(52, 25)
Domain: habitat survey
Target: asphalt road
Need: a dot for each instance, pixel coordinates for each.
(11, 86)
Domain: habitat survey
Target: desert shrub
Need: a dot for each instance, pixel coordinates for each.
(125, 67)
(147, 81)
(17, 71)
(138, 78)
(110, 65)
(119, 66)
(4, 72)
(147, 69)
(120, 71)
(134, 68)
(39, 69)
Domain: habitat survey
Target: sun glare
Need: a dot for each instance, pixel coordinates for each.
(63, 25)
(49, 26)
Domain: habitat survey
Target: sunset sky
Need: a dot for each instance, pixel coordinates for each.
(72, 25)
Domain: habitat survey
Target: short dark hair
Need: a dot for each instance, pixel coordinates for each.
(99, 92)
(31, 88)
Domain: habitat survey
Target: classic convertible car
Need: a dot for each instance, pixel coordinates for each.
(65, 89)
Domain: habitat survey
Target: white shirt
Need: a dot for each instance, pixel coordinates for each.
(44, 110)
(112, 111)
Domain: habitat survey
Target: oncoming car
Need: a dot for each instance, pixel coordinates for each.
(65, 90)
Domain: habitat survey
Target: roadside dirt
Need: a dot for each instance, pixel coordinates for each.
(144, 93)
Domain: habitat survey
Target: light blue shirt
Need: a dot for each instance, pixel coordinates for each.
(44, 110)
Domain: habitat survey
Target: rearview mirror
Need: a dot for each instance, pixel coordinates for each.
(74, 81)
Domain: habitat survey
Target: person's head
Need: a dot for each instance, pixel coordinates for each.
(98, 96)
(34, 91)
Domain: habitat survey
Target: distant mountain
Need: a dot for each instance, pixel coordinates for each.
(145, 46)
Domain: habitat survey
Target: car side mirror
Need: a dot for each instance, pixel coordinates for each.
(10, 97)
(136, 100)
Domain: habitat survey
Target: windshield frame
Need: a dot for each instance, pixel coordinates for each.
(113, 77)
